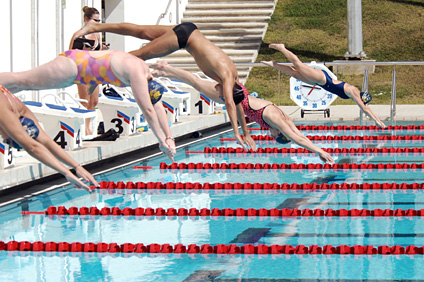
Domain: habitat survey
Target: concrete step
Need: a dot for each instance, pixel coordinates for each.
(190, 60)
(238, 39)
(214, 26)
(232, 19)
(230, 1)
(229, 52)
(235, 5)
(228, 13)
(233, 31)
(238, 45)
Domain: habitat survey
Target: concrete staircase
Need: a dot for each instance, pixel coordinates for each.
(236, 26)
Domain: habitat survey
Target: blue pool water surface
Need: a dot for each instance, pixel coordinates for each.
(404, 231)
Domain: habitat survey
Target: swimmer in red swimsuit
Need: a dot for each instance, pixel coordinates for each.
(20, 128)
(265, 113)
(96, 67)
(210, 59)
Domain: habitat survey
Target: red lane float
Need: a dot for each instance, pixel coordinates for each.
(293, 166)
(352, 127)
(67, 247)
(143, 167)
(258, 186)
(295, 151)
(342, 138)
(115, 211)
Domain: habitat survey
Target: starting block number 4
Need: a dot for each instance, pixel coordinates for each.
(68, 138)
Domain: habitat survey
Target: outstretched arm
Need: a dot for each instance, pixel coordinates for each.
(169, 150)
(285, 125)
(208, 88)
(11, 125)
(355, 95)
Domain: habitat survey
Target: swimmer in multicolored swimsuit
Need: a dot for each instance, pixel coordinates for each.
(209, 58)
(265, 113)
(20, 129)
(310, 75)
(100, 67)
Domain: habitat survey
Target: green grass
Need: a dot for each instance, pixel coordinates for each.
(316, 30)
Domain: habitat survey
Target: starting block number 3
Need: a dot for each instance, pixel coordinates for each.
(120, 126)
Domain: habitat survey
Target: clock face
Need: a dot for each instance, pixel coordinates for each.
(311, 97)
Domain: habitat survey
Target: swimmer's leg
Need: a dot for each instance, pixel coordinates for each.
(58, 73)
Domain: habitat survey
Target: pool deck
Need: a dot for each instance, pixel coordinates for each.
(26, 169)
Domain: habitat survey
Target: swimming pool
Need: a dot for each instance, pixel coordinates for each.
(203, 223)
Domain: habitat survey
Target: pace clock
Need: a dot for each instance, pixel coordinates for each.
(312, 97)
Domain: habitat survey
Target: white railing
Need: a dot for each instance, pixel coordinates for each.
(177, 12)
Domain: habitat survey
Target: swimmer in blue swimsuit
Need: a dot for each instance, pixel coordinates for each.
(20, 129)
(310, 75)
(210, 59)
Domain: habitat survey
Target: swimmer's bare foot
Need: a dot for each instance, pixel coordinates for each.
(90, 27)
(280, 47)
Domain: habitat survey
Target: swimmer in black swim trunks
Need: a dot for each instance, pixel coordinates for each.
(310, 75)
(210, 59)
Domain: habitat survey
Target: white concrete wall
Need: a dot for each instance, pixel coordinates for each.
(26, 45)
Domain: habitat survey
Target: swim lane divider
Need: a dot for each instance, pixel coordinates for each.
(258, 186)
(387, 151)
(115, 211)
(66, 247)
(342, 138)
(352, 127)
(292, 166)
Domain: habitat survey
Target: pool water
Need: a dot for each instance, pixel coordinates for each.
(215, 230)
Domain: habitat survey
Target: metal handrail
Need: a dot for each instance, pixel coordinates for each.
(161, 16)
(392, 63)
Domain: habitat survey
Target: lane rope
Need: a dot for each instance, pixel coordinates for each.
(116, 211)
(351, 127)
(66, 247)
(107, 185)
(295, 151)
(293, 166)
(341, 138)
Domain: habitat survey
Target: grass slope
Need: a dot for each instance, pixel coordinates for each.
(316, 30)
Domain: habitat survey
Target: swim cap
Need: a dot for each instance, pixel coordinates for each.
(282, 139)
(30, 127)
(366, 97)
(156, 91)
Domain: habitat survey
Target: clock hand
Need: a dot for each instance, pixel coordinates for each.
(311, 90)
(310, 86)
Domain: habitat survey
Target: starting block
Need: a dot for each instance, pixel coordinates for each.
(171, 110)
(121, 113)
(179, 98)
(6, 155)
(65, 125)
(201, 104)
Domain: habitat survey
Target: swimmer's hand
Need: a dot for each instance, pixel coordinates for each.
(240, 141)
(84, 174)
(78, 183)
(249, 142)
(325, 157)
(168, 149)
(161, 69)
